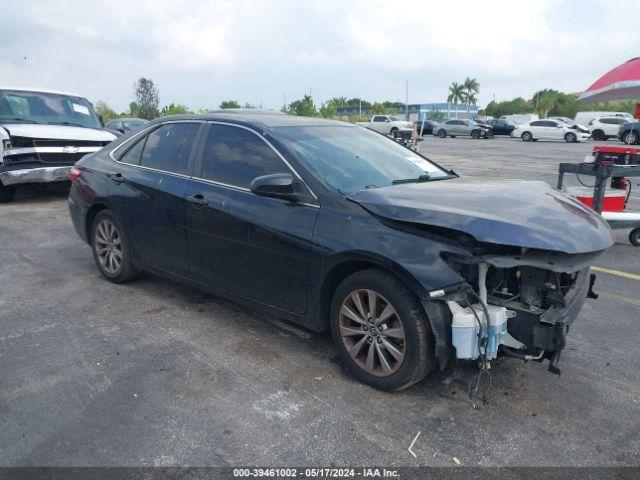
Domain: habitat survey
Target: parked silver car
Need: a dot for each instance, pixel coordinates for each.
(456, 127)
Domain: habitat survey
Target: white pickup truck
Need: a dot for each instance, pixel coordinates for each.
(42, 134)
(387, 124)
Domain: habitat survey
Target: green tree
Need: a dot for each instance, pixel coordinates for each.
(105, 111)
(377, 108)
(173, 109)
(303, 107)
(470, 88)
(456, 94)
(147, 98)
(229, 104)
(202, 111)
(436, 115)
(328, 110)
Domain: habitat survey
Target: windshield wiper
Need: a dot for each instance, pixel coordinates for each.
(17, 120)
(421, 178)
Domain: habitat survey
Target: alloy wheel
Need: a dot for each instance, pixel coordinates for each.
(372, 332)
(631, 138)
(108, 246)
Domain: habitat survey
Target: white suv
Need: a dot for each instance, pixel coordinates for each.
(602, 128)
(548, 129)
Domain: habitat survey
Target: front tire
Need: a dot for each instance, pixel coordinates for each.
(631, 138)
(442, 133)
(475, 134)
(6, 193)
(598, 135)
(526, 137)
(634, 237)
(381, 331)
(570, 138)
(111, 249)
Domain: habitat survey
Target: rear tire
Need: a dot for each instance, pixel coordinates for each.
(526, 137)
(111, 249)
(634, 237)
(631, 138)
(570, 138)
(442, 133)
(393, 131)
(7, 193)
(387, 361)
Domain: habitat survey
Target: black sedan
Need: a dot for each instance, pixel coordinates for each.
(500, 126)
(629, 133)
(425, 127)
(336, 227)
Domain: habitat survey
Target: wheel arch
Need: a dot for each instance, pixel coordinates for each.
(341, 268)
(89, 218)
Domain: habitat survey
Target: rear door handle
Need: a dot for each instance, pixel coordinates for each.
(198, 200)
(118, 178)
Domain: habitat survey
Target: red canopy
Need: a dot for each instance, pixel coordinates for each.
(623, 82)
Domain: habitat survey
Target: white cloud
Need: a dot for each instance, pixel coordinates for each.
(200, 52)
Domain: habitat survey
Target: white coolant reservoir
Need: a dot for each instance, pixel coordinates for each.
(464, 330)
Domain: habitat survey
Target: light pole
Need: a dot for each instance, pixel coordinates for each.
(406, 99)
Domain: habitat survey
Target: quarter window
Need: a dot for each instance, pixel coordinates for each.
(168, 147)
(235, 156)
(132, 156)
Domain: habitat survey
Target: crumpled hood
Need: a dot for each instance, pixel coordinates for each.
(58, 132)
(518, 213)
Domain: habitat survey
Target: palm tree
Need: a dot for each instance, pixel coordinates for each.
(470, 88)
(456, 94)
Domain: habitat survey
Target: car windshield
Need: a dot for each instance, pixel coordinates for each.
(46, 108)
(350, 159)
(394, 119)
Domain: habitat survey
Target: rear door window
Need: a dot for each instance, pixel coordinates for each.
(168, 147)
(235, 156)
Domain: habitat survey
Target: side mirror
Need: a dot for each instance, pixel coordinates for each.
(277, 185)
(387, 120)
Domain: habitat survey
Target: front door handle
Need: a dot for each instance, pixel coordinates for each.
(118, 178)
(198, 200)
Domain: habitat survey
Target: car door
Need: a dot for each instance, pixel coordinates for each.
(147, 190)
(539, 129)
(452, 127)
(252, 246)
(556, 130)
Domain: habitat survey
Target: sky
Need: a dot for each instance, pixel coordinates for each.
(267, 52)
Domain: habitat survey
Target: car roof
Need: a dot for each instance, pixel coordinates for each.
(40, 90)
(259, 119)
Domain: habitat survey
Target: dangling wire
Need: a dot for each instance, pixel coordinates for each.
(484, 364)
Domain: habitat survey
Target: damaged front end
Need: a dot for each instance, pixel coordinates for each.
(517, 302)
(521, 252)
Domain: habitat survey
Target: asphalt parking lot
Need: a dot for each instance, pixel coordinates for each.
(154, 373)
